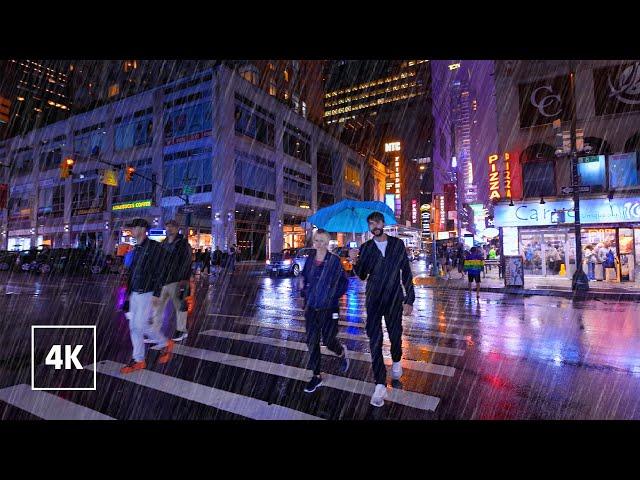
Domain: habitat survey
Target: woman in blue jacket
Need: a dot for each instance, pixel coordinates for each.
(322, 283)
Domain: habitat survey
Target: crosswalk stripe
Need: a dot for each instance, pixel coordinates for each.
(46, 405)
(402, 397)
(407, 329)
(460, 324)
(221, 399)
(347, 336)
(425, 367)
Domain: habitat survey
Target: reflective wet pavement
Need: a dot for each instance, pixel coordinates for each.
(499, 357)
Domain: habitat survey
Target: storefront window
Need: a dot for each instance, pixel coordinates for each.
(599, 251)
(294, 236)
(627, 260)
(531, 250)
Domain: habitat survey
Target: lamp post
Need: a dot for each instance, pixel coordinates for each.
(580, 281)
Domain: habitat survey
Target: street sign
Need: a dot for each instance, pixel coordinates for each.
(581, 189)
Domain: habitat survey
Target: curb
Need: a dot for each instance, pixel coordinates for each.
(547, 292)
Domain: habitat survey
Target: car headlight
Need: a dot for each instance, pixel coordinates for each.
(288, 262)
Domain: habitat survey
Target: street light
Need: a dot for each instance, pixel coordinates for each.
(580, 281)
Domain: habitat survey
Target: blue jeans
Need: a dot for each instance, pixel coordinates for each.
(592, 270)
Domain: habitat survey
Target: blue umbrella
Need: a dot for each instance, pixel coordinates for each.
(350, 216)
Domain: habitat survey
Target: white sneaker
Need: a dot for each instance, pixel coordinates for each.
(396, 370)
(179, 336)
(380, 393)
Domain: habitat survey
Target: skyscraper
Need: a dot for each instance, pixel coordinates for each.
(35, 93)
(382, 108)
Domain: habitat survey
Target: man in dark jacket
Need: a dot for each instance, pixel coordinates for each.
(207, 261)
(176, 283)
(383, 263)
(216, 260)
(144, 286)
(322, 283)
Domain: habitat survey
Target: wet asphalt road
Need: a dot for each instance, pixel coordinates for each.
(500, 357)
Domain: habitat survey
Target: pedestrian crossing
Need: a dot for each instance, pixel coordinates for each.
(217, 368)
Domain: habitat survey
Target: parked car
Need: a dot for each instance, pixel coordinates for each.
(101, 263)
(290, 261)
(8, 260)
(34, 260)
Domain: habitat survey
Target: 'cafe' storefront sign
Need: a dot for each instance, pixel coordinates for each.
(592, 211)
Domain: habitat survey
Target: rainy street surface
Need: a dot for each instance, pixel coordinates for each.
(500, 357)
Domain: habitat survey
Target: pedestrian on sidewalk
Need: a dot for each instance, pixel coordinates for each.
(232, 258)
(144, 286)
(322, 283)
(473, 265)
(382, 262)
(216, 260)
(207, 261)
(176, 283)
(460, 259)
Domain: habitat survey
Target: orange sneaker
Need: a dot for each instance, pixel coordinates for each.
(132, 366)
(165, 356)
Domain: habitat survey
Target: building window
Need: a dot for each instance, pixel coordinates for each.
(325, 168)
(88, 194)
(539, 179)
(188, 120)
(352, 175)
(255, 176)
(249, 73)
(51, 202)
(286, 75)
(134, 134)
(623, 170)
(249, 123)
(114, 90)
(50, 159)
(293, 145)
(192, 168)
(130, 65)
(304, 109)
(273, 90)
(296, 188)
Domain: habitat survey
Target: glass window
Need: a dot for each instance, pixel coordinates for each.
(623, 170)
(592, 171)
(539, 179)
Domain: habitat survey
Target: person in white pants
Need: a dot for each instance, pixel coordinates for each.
(146, 278)
(140, 315)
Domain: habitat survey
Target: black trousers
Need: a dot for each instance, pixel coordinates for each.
(319, 323)
(392, 313)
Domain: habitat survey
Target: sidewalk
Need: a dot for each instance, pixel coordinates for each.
(546, 286)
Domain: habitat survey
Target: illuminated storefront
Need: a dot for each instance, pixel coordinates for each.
(543, 234)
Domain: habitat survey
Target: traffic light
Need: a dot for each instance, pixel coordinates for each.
(128, 174)
(66, 167)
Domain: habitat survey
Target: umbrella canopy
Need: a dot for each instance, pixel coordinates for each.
(350, 216)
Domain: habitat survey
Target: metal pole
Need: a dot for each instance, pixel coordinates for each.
(580, 281)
